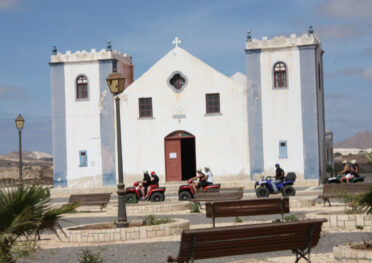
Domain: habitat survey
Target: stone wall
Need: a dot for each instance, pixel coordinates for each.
(123, 234)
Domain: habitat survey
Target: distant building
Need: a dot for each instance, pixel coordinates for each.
(182, 114)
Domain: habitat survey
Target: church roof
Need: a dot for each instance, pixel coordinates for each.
(178, 59)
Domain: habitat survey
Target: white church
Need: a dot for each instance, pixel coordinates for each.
(182, 114)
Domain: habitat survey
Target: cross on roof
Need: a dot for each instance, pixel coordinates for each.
(176, 41)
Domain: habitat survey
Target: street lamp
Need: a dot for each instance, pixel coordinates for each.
(19, 121)
(116, 82)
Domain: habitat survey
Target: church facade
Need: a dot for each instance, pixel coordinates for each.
(182, 114)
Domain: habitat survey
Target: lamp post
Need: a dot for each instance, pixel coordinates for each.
(116, 82)
(19, 121)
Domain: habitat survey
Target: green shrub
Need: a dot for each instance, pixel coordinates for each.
(89, 256)
(337, 154)
(329, 169)
(238, 220)
(290, 218)
(152, 220)
(369, 156)
(359, 227)
(365, 202)
(25, 212)
(195, 208)
(352, 201)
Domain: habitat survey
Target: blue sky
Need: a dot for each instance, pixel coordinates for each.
(214, 31)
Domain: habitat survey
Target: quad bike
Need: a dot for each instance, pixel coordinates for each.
(186, 192)
(264, 188)
(156, 193)
(336, 179)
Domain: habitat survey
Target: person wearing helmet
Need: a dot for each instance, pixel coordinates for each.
(279, 177)
(347, 173)
(154, 182)
(145, 183)
(199, 175)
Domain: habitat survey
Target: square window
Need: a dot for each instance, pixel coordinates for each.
(145, 107)
(283, 150)
(213, 103)
(83, 158)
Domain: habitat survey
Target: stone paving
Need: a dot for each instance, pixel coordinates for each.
(157, 249)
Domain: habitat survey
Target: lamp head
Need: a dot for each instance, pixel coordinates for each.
(116, 82)
(19, 121)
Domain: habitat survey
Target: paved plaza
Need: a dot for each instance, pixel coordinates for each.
(159, 248)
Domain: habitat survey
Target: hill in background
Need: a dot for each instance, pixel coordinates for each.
(361, 140)
(37, 168)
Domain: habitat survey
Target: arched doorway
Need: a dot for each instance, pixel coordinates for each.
(180, 158)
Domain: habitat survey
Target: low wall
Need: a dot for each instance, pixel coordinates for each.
(123, 234)
(344, 253)
(342, 221)
(151, 208)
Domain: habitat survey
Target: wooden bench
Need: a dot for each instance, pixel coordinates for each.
(299, 236)
(100, 199)
(335, 190)
(235, 193)
(250, 207)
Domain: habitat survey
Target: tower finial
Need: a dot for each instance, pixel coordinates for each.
(249, 37)
(176, 41)
(108, 46)
(311, 30)
(54, 50)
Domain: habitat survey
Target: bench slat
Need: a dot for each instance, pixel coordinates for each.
(248, 207)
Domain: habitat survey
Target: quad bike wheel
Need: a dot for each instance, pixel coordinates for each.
(130, 198)
(157, 197)
(262, 191)
(184, 196)
(288, 190)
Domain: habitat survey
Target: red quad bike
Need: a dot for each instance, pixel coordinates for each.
(186, 192)
(134, 193)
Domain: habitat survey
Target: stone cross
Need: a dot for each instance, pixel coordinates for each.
(176, 41)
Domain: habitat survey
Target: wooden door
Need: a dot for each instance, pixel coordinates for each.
(173, 165)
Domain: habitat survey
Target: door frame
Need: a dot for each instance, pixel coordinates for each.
(176, 135)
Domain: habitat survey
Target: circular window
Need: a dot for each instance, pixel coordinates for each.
(177, 81)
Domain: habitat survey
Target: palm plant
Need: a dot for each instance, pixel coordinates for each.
(366, 202)
(24, 212)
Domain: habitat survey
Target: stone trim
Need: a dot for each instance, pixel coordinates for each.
(123, 234)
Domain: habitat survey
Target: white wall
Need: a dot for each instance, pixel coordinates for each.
(221, 140)
(83, 127)
(281, 111)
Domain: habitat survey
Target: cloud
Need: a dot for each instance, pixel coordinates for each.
(347, 8)
(7, 4)
(11, 93)
(368, 50)
(338, 31)
(367, 73)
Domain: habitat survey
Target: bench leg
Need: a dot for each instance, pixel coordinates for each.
(327, 200)
(305, 254)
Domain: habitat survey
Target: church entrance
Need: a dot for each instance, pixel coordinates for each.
(180, 158)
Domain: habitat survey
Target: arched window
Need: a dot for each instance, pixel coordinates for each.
(280, 75)
(81, 87)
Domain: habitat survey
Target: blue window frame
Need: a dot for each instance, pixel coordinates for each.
(83, 155)
(283, 150)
